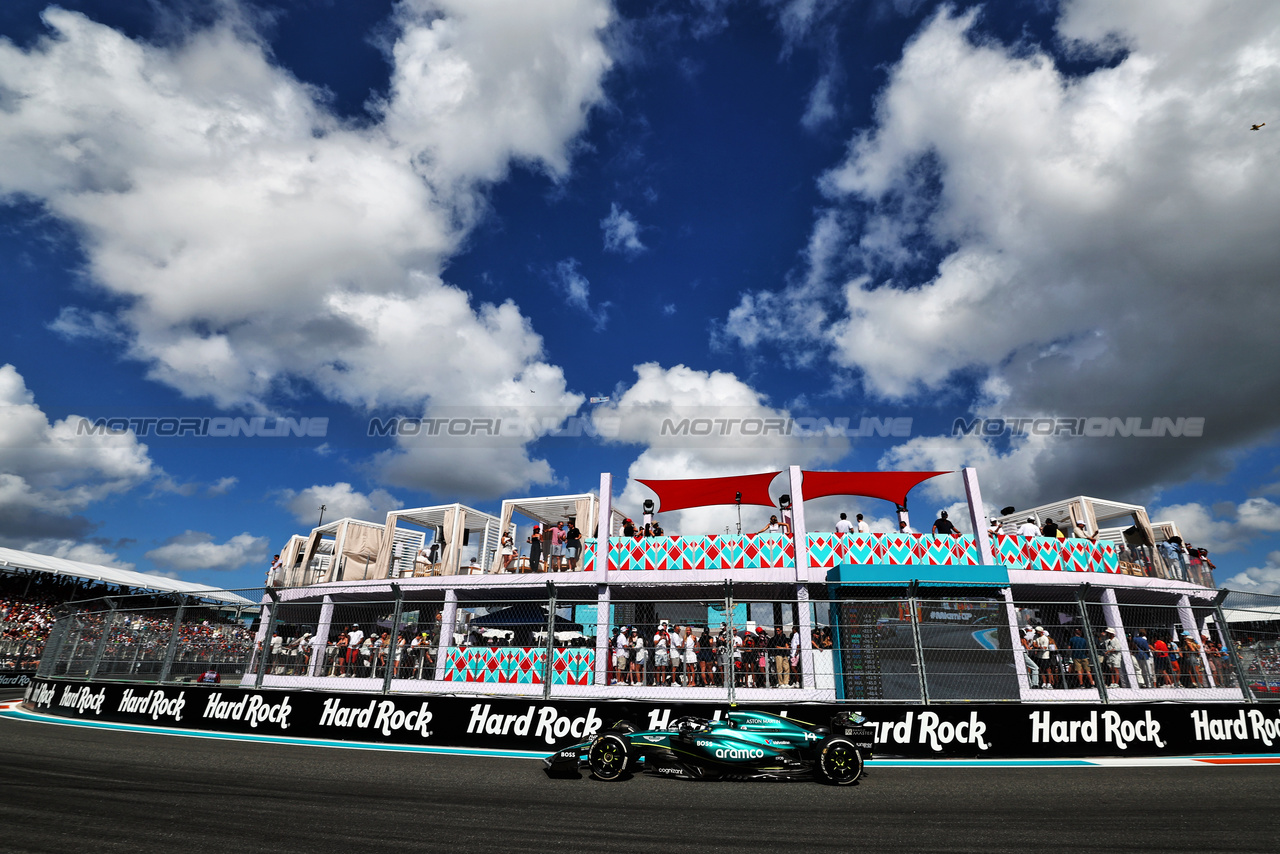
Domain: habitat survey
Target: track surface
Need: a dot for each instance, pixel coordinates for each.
(73, 789)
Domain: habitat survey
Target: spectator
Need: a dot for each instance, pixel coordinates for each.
(1164, 665)
(904, 528)
(507, 550)
(1049, 529)
(863, 527)
(558, 536)
(621, 656)
(661, 656)
(844, 526)
(354, 638)
(1033, 669)
(781, 658)
(628, 528)
(1192, 671)
(639, 657)
(706, 659)
(774, 527)
(535, 548)
(1040, 652)
(690, 657)
(1111, 650)
(573, 546)
(942, 526)
(1080, 667)
(1142, 648)
(1028, 528)
(994, 529)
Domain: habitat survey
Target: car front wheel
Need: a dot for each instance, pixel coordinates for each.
(609, 757)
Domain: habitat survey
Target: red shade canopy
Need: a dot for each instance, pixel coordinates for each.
(889, 485)
(705, 491)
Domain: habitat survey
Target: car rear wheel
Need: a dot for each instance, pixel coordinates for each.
(839, 761)
(609, 757)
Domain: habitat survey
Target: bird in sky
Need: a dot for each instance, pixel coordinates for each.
(1258, 127)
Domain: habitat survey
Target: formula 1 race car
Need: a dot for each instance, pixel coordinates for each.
(741, 746)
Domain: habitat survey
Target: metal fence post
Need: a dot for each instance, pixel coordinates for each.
(1099, 680)
(53, 646)
(102, 640)
(171, 652)
(547, 669)
(265, 652)
(730, 675)
(395, 636)
(1225, 634)
(914, 605)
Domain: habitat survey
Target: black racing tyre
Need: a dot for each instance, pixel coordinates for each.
(839, 761)
(609, 757)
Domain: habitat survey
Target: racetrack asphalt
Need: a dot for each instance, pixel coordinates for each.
(70, 789)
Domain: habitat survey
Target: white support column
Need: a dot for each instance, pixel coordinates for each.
(601, 569)
(1020, 654)
(799, 531)
(1111, 613)
(320, 643)
(804, 620)
(977, 516)
(602, 635)
(448, 617)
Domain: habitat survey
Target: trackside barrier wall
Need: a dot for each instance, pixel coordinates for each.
(542, 726)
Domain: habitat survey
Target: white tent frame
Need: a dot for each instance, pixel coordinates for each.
(15, 559)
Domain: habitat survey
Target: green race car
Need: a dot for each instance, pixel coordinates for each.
(741, 746)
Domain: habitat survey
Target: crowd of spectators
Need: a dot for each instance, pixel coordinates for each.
(701, 657)
(1165, 659)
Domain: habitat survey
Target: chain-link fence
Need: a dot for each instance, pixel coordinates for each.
(1083, 646)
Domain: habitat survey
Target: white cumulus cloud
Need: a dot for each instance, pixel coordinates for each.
(1105, 238)
(341, 500)
(196, 550)
(255, 240)
(649, 413)
(621, 232)
(51, 471)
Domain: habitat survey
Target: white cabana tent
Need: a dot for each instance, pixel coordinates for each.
(583, 508)
(14, 559)
(452, 525)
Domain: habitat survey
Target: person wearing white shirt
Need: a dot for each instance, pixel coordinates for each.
(1028, 528)
(844, 526)
(661, 660)
(621, 656)
(863, 527)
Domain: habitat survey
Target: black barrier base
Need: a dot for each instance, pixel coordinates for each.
(915, 731)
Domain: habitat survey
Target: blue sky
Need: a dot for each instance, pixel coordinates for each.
(483, 211)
